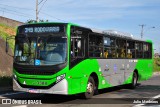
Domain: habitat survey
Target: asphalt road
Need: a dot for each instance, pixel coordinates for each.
(112, 97)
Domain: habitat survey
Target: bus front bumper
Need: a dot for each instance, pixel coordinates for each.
(59, 88)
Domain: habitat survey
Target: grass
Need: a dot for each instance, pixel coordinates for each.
(156, 65)
(7, 31)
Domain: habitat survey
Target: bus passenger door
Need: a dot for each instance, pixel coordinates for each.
(77, 56)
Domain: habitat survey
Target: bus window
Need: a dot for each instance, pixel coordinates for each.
(130, 49)
(121, 48)
(150, 50)
(109, 48)
(77, 43)
(77, 49)
(147, 49)
(95, 46)
(139, 49)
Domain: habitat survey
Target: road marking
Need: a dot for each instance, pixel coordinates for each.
(20, 106)
(153, 98)
(8, 94)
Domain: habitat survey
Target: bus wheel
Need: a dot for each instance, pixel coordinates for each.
(134, 81)
(90, 88)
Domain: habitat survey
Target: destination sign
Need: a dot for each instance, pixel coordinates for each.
(41, 29)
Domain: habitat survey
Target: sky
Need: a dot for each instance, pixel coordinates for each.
(121, 15)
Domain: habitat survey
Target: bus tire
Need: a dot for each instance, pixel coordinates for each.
(134, 80)
(89, 89)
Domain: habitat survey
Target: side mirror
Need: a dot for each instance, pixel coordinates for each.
(7, 46)
(7, 43)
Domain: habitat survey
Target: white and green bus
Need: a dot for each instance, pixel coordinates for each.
(64, 58)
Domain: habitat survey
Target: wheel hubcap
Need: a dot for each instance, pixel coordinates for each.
(89, 88)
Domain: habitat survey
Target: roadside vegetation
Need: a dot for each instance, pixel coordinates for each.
(156, 65)
(7, 31)
(5, 76)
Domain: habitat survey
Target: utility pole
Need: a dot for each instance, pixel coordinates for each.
(36, 10)
(142, 30)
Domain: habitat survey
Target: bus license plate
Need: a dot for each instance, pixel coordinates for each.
(33, 91)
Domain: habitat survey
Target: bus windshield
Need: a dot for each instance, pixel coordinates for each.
(40, 50)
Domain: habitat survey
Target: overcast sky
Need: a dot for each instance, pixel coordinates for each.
(121, 15)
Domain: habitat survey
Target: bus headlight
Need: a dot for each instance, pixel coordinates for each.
(61, 77)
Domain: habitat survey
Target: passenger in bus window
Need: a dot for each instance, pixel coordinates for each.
(98, 52)
(106, 54)
(114, 54)
(122, 55)
(129, 54)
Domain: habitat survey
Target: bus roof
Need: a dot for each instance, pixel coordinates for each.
(113, 33)
(119, 34)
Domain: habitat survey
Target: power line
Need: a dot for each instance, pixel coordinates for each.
(15, 7)
(38, 10)
(42, 6)
(26, 15)
(15, 11)
(40, 2)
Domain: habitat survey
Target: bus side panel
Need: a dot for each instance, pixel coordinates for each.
(113, 70)
(129, 69)
(145, 69)
(117, 71)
